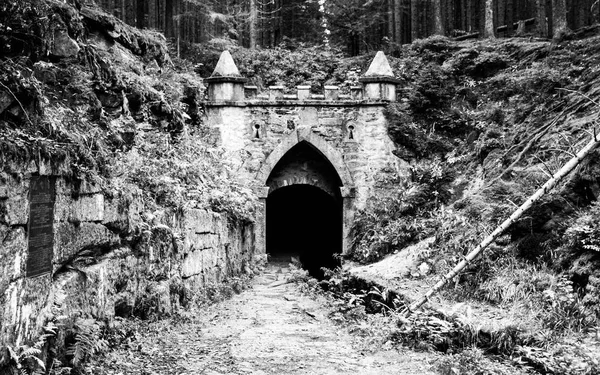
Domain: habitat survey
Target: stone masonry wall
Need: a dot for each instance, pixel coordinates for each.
(107, 261)
(368, 152)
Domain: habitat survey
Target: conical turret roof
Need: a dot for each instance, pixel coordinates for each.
(380, 67)
(226, 67)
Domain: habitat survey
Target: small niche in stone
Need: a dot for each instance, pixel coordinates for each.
(351, 132)
(256, 131)
(40, 226)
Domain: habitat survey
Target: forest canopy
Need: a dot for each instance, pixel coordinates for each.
(356, 26)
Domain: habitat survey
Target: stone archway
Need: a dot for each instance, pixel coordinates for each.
(321, 145)
(307, 176)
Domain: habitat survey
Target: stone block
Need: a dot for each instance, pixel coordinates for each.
(199, 221)
(193, 264)
(303, 92)
(199, 241)
(88, 208)
(13, 254)
(70, 239)
(63, 45)
(121, 213)
(275, 92)
(332, 92)
(84, 208)
(66, 187)
(14, 210)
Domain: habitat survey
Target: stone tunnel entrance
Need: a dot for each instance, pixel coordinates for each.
(304, 210)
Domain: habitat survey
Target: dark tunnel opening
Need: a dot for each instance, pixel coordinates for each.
(306, 222)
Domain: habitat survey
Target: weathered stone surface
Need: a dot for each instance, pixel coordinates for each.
(6, 99)
(83, 208)
(193, 264)
(70, 239)
(25, 311)
(45, 72)
(67, 187)
(14, 210)
(11, 187)
(63, 45)
(13, 254)
(121, 212)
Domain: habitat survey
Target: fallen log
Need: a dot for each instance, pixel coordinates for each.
(549, 185)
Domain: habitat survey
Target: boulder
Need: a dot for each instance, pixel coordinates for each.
(6, 99)
(63, 45)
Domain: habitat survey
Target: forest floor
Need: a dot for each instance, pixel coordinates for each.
(274, 327)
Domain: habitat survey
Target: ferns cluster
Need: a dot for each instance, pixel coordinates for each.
(39, 359)
(88, 342)
(27, 359)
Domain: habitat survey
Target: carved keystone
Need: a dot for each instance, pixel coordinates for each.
(379, 81)
(226, 83)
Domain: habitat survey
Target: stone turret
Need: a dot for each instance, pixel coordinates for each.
(226, 84)
(379, 81)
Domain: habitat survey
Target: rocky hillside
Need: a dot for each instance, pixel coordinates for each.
(484, 125)
(146, 218)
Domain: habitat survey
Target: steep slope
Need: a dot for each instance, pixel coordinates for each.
(484, 125)
(145, 215)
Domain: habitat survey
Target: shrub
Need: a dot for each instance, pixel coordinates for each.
(472, 361)
(565, 309)
(393, 221)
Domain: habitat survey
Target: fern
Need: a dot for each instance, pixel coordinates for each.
(87, 342)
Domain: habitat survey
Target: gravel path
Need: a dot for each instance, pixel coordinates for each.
(271, 328)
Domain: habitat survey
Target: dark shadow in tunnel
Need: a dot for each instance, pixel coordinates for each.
(304, 221)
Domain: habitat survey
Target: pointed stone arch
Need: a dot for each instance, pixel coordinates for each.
(318, 143)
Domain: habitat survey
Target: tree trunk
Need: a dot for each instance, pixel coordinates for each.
(398, 21)
(490, 31)
(559, 18)
(390, 19)
(414, 20)
(549, 185)
(509, 17)
(140, 14)
(438, 29)
(541, 21)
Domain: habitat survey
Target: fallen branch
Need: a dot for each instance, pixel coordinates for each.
(558, 176)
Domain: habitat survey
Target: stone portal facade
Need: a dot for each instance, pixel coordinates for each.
(347, 134)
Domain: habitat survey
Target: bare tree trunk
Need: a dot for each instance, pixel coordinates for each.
(549, 185)
(490, 29)
(438, 29)
(559, 18)
(390, 20)
(509, 17)
(398, 21)
(414, 20)
(541, 21)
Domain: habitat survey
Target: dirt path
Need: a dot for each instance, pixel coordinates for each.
(271, 328)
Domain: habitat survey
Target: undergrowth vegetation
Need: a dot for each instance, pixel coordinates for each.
(483, 125)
